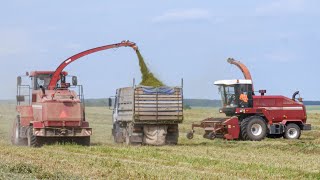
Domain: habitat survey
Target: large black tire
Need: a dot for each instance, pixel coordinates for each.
(15, 137)
(253, 128)
(33, 141)
(292, 131)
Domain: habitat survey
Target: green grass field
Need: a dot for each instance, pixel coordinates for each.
(191, 159)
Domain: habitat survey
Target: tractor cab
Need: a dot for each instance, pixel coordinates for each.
(27, 91)
(235, 94)
(42, 79)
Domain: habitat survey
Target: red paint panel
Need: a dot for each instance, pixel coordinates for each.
(279, 108)
(85, 124)
(62, 123)
(26, 115)
(292, 120)
(38, 124)
(233, 128)
(59, 111)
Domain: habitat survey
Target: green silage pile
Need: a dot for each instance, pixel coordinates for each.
(148, 79)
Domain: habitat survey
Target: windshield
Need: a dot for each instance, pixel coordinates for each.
(42, 80)
(228, 97)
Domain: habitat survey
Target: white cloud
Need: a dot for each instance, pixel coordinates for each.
(183, 15)
(277, 7)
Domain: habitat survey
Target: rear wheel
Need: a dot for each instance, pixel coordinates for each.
(33, 141)
(253, 128)
(292, 131)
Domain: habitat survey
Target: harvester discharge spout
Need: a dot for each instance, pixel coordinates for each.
(56, 75)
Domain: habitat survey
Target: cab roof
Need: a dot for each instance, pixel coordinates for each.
(36, 73)
(233, 82)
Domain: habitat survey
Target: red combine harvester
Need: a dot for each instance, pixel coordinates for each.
(253, 117)
(50, 110)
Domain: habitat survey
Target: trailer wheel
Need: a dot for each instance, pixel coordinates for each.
(292, 131)
(15, 138)
(253, 128)
(190, 135)
(33, 141)
(211, 136)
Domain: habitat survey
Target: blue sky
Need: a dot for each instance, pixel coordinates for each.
(278, 40)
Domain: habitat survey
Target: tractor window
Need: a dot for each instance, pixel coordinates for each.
(245, 95)
(41, 80)
(228, 96)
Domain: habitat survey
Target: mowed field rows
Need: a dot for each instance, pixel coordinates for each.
(191, 159)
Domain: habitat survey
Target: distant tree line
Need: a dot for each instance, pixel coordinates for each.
(188, 103)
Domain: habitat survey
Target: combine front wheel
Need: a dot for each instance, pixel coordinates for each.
(253, 128)
(15, 138)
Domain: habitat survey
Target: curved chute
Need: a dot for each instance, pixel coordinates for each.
(242, 67)
(56, 75)
(245, 71)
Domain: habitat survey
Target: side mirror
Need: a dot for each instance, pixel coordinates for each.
(19, 81)
(74, 80)
(110, 102)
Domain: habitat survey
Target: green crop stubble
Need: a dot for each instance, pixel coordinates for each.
(191, 159)
(148, 79)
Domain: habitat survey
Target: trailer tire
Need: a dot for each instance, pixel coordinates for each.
(253, 128)
(292, 131)
(33, 141)
(15, 137)
(211, 136)
(190, 135)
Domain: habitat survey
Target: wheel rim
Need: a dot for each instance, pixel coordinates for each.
(292, 133)
(256, 129)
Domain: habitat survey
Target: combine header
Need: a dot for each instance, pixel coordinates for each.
(49, 108)
(253, 117)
